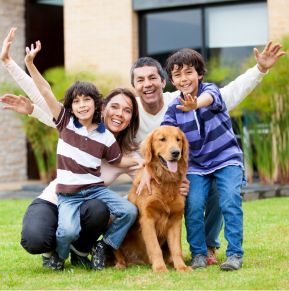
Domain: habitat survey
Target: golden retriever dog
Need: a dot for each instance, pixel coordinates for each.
(160, 214)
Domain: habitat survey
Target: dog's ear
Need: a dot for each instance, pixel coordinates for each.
(147, 148)
(185, 153)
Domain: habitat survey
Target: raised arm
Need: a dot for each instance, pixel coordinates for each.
(24, 81)
(42, 85)
(236, 91)
(23, 105)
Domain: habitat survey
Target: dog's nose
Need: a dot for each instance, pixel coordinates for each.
(175, 153)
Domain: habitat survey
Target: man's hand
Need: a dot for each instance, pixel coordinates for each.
(18, 104)
(6, 45)
(188, 103)
(32, 52)
(269, 56)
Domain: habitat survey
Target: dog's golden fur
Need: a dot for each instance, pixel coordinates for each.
(160, 214)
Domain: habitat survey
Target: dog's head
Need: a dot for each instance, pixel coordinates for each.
(168, 146)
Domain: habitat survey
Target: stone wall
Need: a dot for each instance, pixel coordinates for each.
(100, 36)
(13, 162)
(278, 15)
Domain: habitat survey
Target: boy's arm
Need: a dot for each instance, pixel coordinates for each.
(42, 85)
(211, 96)
(192, 103)
(242, 86)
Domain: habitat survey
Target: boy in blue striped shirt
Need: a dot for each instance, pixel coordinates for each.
(214, 154)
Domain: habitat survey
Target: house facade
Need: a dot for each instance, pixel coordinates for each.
(109, 35)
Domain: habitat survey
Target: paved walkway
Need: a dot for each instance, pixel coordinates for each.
(31, 189)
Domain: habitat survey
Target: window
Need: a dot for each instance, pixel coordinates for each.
(169, 31)
(232, 31)
(226, 32)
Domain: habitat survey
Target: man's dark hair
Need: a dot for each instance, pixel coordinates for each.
(188, 57)
(80, 88)
(147, 61)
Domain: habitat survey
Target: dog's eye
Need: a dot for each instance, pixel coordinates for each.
(178, 139)
(162, 139)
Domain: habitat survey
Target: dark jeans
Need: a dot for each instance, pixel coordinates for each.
(40, 223)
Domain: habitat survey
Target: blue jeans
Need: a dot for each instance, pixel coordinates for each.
(68, 229)
(228, 182)
(213, 218)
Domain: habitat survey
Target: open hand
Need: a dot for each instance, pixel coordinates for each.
(188, 103)
(269, 56)
(145, 181)
(32, 52)
(6, 45)
(19, 104)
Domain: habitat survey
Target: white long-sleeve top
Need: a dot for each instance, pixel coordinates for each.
(232, 94)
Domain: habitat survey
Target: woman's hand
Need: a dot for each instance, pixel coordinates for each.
(6, 45)
(19, 104)
(145, 181)
(139, 164)
(32, 52)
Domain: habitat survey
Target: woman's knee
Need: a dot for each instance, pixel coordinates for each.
(94, 213)
(39, 227)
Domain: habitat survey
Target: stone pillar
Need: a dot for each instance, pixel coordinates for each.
(100, 35)
(278, 16)
(13, 161)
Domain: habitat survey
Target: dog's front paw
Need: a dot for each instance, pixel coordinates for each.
(183, 268)
(160, 268)
(120, 266)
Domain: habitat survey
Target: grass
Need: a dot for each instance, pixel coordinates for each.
(266, 261)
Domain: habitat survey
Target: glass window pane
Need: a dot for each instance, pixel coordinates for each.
(167, 31)
(51, 2)
(236, 25)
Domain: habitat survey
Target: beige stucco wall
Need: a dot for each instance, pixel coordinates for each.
(100, 35)
(13, 162)
(278, 15)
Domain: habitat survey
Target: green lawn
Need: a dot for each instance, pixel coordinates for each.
(266, 261)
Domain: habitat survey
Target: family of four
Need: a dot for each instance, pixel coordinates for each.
(98, 141)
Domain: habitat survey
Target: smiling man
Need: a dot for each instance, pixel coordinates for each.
(148, 80)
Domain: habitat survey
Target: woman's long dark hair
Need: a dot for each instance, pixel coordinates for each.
(126, 138)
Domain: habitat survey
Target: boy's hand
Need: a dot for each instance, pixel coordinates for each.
(6, 45)
(269, 56)
(185, 187)
(188, 103)
(32, 52)
(19, 104)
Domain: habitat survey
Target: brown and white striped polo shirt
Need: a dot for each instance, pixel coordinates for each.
(79, 153)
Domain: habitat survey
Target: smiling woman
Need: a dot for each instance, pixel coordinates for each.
(40, 221)
(121, 117)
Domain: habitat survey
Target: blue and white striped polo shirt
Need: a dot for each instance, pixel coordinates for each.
(212, 143)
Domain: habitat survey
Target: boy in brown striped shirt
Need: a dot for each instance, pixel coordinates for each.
(83, 142)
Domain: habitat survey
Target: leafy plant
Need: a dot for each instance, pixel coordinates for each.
(264, 114)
